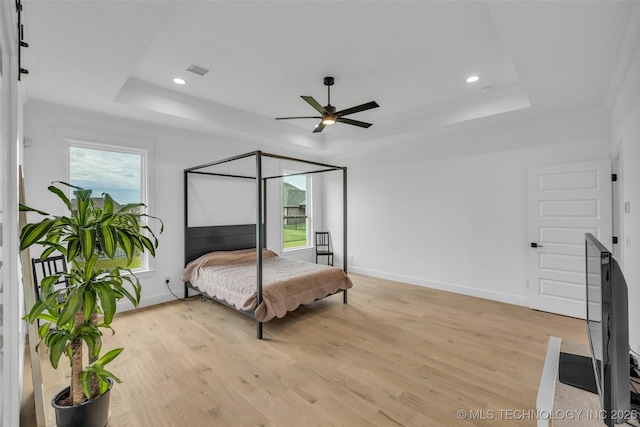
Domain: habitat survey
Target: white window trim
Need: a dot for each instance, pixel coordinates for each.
(117, 143)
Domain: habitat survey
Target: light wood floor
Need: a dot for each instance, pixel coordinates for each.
(396, 355)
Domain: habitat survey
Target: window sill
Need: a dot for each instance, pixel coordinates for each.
(142, 274)
(298, 249)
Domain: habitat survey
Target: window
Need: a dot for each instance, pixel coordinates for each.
(296, 211)
(118, 171)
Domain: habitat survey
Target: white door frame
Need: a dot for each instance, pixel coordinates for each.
(617, 203)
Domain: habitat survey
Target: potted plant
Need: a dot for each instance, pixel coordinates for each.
(73, 319)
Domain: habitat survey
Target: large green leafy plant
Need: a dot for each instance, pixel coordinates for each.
(73, 318)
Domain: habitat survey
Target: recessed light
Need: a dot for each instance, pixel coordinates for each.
(179, 81)
(472, 79)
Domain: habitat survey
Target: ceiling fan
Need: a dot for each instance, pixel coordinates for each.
(329, 114)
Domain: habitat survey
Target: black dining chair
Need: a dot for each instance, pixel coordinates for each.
(323, 246)
(47, 267)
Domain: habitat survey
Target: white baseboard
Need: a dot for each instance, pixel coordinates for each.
(459, 289)
(125, 304)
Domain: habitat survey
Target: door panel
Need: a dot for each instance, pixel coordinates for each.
(565, 202)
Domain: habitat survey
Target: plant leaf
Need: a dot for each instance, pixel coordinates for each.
(108, 239)
(108, 203)
(89, 267)
(49, 318)
(108, 357)
(149, 245)
(67, 184)
(126, 244)
(108, 374)
(44, 329)
(127, 294)
(24, 208)
(107, 302)
(85, 381)
(61, 195)
(73, 249)
(31, 233)
(51, 249)
(35, 311)
(83, 201)
(87, 241)
(71, 306)
(89, 304)
(56, 349)
(130, 206)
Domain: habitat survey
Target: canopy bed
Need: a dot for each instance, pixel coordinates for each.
(224, 264)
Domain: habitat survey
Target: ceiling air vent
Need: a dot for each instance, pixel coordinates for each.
(196, 69)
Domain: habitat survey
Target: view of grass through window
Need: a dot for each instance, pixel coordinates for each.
(295, 220)
(104, 171)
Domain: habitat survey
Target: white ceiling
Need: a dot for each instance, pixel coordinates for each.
(534, 58)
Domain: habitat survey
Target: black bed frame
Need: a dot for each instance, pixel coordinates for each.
(201, 240)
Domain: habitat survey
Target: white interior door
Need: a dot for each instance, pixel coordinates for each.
(565, 202)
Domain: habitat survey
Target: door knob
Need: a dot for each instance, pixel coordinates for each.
(535, 245)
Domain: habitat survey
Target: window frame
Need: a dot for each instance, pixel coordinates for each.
(309, 210)
(118, 144)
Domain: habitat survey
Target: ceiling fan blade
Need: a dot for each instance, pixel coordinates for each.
(357, 109)
(303, 117)
(319, 128)
(319, 108)
(353, 122)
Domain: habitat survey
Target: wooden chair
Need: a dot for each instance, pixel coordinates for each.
(46, 267)
(323, 246)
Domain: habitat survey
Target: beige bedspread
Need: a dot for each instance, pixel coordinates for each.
(286, 283)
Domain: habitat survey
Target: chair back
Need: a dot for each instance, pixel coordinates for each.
(322, 239)
(46, 267)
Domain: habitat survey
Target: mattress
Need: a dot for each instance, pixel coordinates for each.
(286, 284)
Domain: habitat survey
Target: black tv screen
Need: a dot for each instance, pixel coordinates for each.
(608, 330)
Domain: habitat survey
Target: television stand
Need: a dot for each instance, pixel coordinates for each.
(577, 371)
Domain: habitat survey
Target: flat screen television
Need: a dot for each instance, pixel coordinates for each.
(608, 329)
(607, 371)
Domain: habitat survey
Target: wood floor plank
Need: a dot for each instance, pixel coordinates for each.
(396, 355)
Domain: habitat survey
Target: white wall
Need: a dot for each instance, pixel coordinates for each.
(447, 212)
(626, 136)
(451, 212)
(45, 160)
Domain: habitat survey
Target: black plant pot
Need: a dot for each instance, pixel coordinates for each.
(92, 413)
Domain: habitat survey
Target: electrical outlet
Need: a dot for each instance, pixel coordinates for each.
(526, 284)
(167, 279)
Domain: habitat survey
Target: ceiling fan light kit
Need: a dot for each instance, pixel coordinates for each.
(329, 115)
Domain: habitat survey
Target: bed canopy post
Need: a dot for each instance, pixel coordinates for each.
(344, 227)
(264, 212)
(186, 223)
(259, 236)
